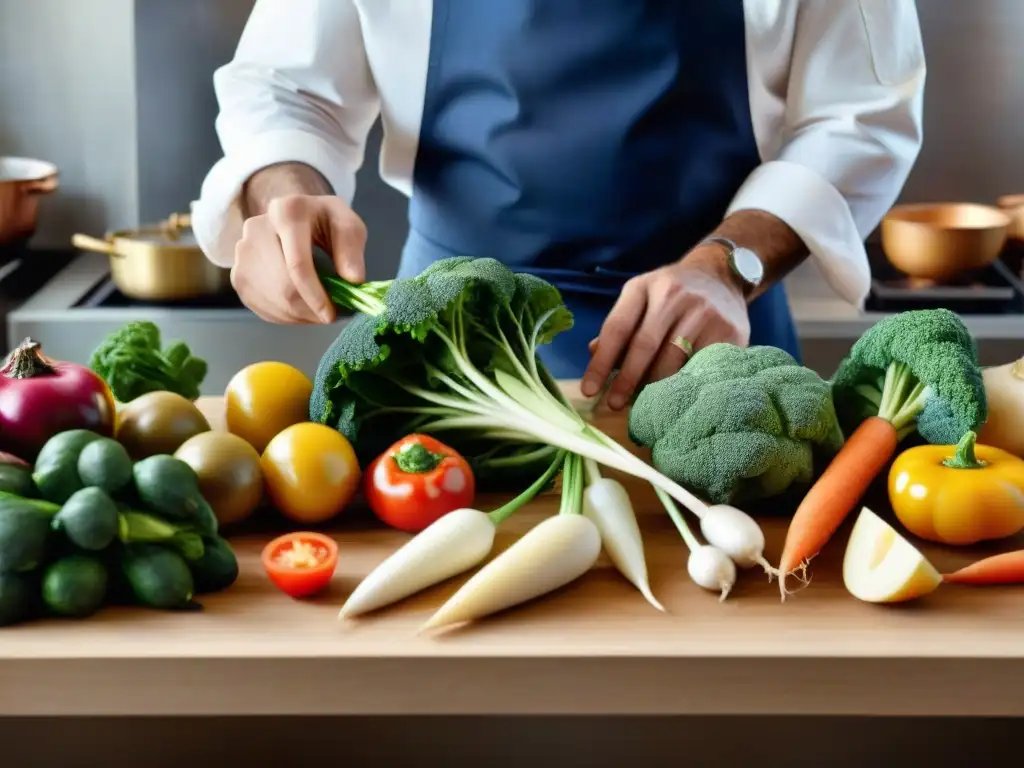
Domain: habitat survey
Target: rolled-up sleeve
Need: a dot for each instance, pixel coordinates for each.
(299, 89)
(851, 133)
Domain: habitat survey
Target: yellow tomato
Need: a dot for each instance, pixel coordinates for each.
(311, 472)
(264, 398)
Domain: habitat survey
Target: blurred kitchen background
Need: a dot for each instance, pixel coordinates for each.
(117, 94)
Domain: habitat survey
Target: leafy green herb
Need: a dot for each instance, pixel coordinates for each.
(133, 363)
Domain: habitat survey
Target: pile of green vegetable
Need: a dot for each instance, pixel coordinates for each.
(88, 527)
(133, 362)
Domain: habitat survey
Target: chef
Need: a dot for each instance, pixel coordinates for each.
(665, 163)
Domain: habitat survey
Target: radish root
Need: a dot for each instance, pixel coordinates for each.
(771, 570)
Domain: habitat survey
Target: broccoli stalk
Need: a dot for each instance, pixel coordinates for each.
(453, 351)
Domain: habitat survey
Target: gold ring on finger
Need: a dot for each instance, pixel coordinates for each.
(684, 345)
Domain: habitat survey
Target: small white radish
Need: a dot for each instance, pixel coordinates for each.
(737, 534)
(454, 543)
(709, 566)
(553, 553)
(712, 569)
(606, 502)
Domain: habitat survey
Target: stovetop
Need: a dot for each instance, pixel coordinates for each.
(996, 289)
(104, 294)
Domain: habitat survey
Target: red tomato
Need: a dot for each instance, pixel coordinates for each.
(300, 564)
(416, 481)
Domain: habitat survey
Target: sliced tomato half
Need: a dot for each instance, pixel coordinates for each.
(301, 564)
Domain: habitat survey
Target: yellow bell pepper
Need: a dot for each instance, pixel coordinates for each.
(958, 494)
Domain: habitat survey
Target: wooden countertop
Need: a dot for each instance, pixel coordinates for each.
(594, 648)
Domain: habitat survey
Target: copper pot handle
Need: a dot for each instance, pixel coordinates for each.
(87, 243)
(176, 222)
(41, 186)
(179, 221)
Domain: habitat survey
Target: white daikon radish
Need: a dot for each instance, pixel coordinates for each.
(554, 552)
(451, 545)
(1004, 391)
(454, 543)
(737, 534)
(606, 502)
(707, 563)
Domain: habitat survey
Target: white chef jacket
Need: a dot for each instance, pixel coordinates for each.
(835, 86)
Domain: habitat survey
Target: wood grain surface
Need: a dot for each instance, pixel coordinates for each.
(595, 647)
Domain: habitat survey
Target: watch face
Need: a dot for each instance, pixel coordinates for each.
(748, 265)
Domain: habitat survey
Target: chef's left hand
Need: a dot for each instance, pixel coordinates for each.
(696, 299)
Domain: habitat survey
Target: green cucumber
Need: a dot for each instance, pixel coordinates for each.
(217, 569)
(56, 469)
(75, 586)
(158, 577)
(24, 533)
(17, 479)
(105, 464)
(89, 519)
(170, 488)
(19, 596)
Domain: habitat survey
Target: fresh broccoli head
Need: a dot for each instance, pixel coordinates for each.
(916, 369)
(132, 363)
(737, 424)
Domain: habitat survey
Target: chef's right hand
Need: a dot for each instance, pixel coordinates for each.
(274, 273)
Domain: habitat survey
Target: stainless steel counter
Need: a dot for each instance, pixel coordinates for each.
(232, 338)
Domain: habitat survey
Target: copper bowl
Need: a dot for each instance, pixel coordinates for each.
(1014, 206)
(939, 241)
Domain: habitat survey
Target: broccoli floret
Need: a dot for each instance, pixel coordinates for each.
(737, 424)
(918, 370)
(132, 363)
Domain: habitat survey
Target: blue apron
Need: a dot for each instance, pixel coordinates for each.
(585, 141)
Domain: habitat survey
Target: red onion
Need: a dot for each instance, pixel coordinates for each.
(40, 397)
(10, 458)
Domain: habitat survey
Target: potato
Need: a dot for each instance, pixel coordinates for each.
(230, 477)
(158, 422)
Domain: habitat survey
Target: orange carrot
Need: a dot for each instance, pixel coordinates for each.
(1007, 568)
(836, 493)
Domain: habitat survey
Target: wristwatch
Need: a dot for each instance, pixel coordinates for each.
(744, 263)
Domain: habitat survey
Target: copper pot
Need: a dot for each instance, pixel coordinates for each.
(22, 182)
(159, 263)
(1014, 206)
(940, 241)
